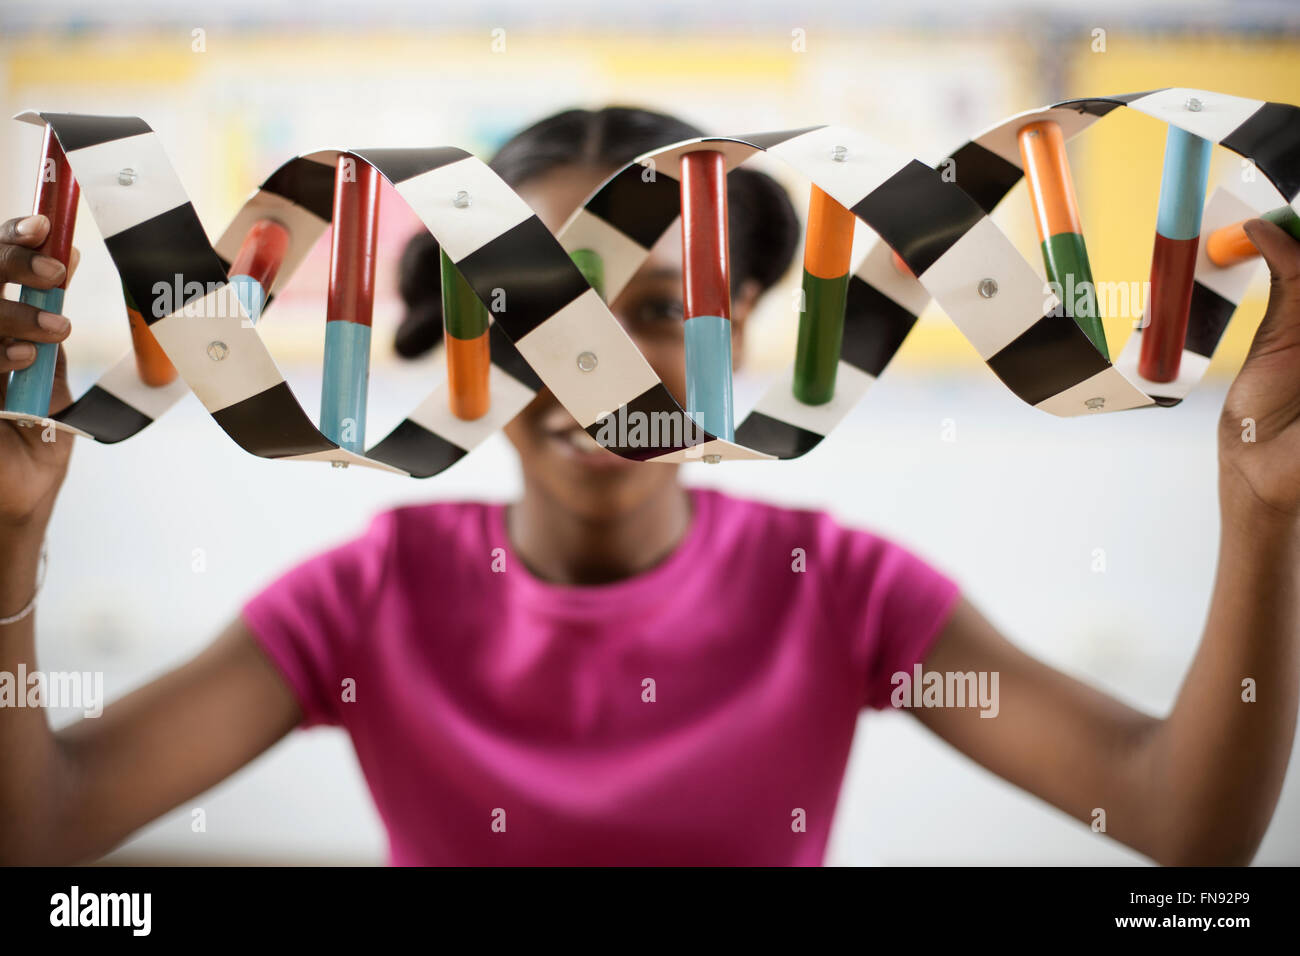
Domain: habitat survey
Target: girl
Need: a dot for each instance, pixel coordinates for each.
(649, 681)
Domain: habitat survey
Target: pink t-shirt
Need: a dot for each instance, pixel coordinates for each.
(698, 713)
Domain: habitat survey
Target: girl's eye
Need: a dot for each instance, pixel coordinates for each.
(657, 311)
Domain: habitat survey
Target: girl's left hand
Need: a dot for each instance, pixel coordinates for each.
(1266, 391)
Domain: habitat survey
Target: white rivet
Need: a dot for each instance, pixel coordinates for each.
(462, 199)
(1193, 104)
(125, 177)
(839, 153)
(988, 288)
(712, 459)
(217, 351)
(587, 361)
(1095, 402)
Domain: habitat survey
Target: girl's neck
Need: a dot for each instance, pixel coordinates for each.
(563, 547)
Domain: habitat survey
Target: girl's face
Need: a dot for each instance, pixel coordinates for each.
(559, 459)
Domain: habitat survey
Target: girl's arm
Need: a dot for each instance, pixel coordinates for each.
(73, 795)
(1200, 785)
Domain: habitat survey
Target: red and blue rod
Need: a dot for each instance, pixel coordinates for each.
(351, 302)
(1173, 260)
(706, 292)
(257, 264)
(56, 199)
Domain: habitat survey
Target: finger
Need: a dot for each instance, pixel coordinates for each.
(1281, 321)
(30, 324)
(1280, 250)
(25, 231)
(17, 355)
(25, 266)
(73, 260)
(61, 395)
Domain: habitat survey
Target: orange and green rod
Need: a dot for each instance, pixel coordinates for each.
(465, 322)
(592, 268)
(1229, 245)
(1056, 212)
(828, 249)
(151, 362)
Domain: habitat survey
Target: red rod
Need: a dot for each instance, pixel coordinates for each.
(57, 193)
(1173, 267)
(352, 246)
(705, 283)
(262, 253)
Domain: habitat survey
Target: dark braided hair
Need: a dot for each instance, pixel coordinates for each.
(764, 228)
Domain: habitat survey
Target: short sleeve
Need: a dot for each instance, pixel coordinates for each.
(894, 604)
(309, 619)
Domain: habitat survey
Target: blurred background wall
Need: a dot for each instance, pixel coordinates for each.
(157, 541)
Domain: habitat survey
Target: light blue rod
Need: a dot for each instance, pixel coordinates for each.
(708, 374)
(30, 387)
(251, 295)
(1182, 186)
(347, 378)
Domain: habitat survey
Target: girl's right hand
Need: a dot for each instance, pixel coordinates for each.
(31, 468)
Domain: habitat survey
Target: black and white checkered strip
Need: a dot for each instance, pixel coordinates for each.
(626, 215)
(1266, 133)
(154, 237)
(300, 194)
(540, 302)
(938, 230)
(881, 309)
(942, 231)
(1216, 293)
(550, 315)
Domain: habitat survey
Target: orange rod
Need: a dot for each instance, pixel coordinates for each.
(900, 265)
(1047, 171)
(1230, 245)
(151, 362)
(828, 248)
(468, 365)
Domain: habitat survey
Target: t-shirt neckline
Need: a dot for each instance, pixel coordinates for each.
(648, 584)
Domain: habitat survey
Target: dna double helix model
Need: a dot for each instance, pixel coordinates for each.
(525, 309)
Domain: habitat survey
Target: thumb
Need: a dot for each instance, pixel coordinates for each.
(1282, 253)
(1280, 250)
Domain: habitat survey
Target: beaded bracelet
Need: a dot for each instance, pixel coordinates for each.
(31, 605)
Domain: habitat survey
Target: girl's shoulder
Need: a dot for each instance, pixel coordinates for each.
(850, 558)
